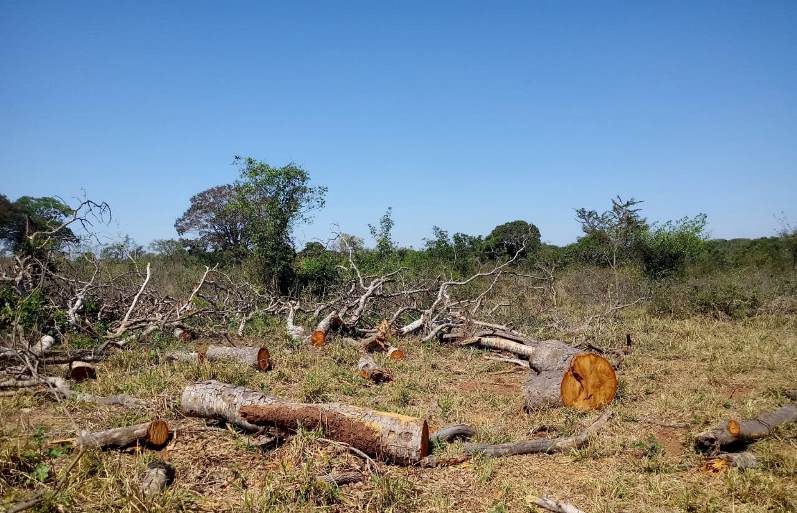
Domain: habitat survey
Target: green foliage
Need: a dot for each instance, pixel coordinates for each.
(614, 234)
(667, 248)
(507, 239)
(382, 234)
(271, 201)
(725, 299)
(316, 268)
(28, 215)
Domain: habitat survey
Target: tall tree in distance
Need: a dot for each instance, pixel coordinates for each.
(272, 201)
(507, 239)
(216, 223)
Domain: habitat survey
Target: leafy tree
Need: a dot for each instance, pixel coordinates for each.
(28, 215)
(126, 248)
(507, 239)
(217, 223)
(665, 249)
(382, 234)
(316, 267)
(271, 201)
(615, 233)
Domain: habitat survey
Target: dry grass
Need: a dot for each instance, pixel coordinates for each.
(693, 371)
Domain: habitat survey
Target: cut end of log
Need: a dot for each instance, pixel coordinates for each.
(318, 338)
(396, 353)
(589, 383)
(734, 428)
(158, 433)
(424, 440)
(80, 371)
(263, 359)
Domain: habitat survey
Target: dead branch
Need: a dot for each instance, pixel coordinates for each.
(738, 433)
(154, 434)
(451, 433)
(554, 505)
(158, 476)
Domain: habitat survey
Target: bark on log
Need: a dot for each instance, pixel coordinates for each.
(451, 433)
(555, 506)
(257, 357)
(737, 433)
(328, 323)
(158, 476)
(221, 401)
(509, 346)
(562, 375)
(388, 436)
(155, 434)
(368, 369)
(81, 371)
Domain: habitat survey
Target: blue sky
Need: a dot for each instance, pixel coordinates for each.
(463, 115)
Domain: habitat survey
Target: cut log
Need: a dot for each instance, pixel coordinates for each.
(387, 436)
(555, 506)
(328, 323)
(257, 357)
(451, 433)
(738, 433)
(368, 369)
(154, 434)
(221, 401)
(81, 371)
(563, 375)
(509, 346)
(158, 476)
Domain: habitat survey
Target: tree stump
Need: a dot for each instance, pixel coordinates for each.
(563, 375)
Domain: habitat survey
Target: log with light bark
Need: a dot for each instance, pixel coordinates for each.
(327, 324)
(563, 375)
(367, 368)
(154, 434)
(733, 433)
(221, 401)
(451, 433)
(257, 357)
(382, 435)
(81, 371)
(554, 505)
(158, 476)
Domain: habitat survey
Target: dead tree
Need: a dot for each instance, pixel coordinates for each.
(388, 436)
(733, 433)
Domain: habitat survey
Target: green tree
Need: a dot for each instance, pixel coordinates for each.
(216, 224)
(507, 239)
(667, 248)
(383, 234)
(29, 215)
(614, 234)
(272, 201)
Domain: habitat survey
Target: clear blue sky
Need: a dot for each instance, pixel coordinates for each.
(463, 115)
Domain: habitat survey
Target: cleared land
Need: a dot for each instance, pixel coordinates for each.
(682, 377)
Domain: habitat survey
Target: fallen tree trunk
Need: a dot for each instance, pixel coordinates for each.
(563, 375)
(59, 387)
(502, 344)
(257, 357)
(158, 476)
(737, 433)
(221, 401)
(155, 434)
(368, 369)
(555, 506)
(389, 436)
(328, 323)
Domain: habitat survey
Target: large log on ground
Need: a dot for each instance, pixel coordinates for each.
(736, 433)
(81, 371)
(563, 375)
(221, 401)
(257, 357)
(155, 434)
(388, 436)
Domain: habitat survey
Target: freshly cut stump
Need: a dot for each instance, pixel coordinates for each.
(155, 434)
(563, 375)
(216, 400)
(386, 436)
(368, 369)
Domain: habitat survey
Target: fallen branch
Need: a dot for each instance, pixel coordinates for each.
(737, 433)
(451, 433)
(554, 505)
(341, 478)
(158, 476)
(154, 434)
(257, 357)
(368, 369)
